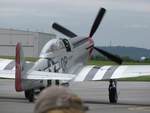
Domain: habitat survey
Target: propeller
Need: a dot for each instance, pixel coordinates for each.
(63, 30)
(97, 21)
(110, 56)
(94, 27)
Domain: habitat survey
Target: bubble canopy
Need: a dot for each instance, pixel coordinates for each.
(52, 46)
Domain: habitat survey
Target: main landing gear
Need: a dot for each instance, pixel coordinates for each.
(29, 94)
(53, 82)
(113, 96)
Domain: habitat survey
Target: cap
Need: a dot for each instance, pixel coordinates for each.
(55, 98)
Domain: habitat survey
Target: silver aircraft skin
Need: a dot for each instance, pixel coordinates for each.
(55, 57)
(64, 59)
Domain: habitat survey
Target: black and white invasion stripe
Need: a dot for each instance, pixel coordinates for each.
(96, 73)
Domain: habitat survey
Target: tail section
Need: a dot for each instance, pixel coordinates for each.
(20, 64)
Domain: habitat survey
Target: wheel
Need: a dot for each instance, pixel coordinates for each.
(29, 94)
(113, 97)
(26, 94)
(66, 84)
(57, 82)
(41, 89)
(49, 82)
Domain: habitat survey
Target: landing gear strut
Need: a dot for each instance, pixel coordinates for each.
(49, 83)
(113, 96)
(57, 83)
(29, 94)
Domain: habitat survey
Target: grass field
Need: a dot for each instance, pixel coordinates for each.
(96, 62)
(27, 58)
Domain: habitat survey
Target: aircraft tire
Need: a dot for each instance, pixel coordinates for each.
(29, 94)
(41, 89)
(49, 83)
(26, 94)
(57, 83)
(113, 97)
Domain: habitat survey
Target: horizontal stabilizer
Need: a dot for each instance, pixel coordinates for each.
(8, 74)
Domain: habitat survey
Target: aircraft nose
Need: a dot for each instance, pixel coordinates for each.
(91, 41)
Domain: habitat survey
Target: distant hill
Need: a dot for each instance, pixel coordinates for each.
(132, 52)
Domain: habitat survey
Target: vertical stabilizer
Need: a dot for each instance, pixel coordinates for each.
(20, 63)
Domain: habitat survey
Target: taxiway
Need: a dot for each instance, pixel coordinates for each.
(133, 97)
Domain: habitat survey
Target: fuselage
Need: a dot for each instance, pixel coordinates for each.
(64, 55)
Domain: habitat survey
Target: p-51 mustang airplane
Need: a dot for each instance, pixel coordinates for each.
(66, 59)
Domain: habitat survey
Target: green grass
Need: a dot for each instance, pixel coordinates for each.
(98, 62)
(7, 57)
(142, 79)
(32, 59)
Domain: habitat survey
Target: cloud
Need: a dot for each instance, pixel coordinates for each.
(64, 8)
(128, 5)
(55, 8)
(121, 17)
(137, 26)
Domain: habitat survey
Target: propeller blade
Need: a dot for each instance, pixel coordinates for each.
(97, 21)
(63, 30)
(110, 56)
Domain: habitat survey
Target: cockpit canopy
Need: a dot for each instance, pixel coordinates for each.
(52, 46)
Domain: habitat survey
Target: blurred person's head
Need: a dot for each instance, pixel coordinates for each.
(58, 100)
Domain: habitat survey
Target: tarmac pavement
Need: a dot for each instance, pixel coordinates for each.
(134, 97)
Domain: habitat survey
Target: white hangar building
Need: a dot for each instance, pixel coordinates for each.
(32, 42)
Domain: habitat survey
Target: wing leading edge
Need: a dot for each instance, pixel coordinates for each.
(112, 72)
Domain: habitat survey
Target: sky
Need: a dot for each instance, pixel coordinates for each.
(126, 22)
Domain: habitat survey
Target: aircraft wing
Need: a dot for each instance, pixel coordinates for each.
(42, 75)
(37, 75)
(112, 72)
(7, 70)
